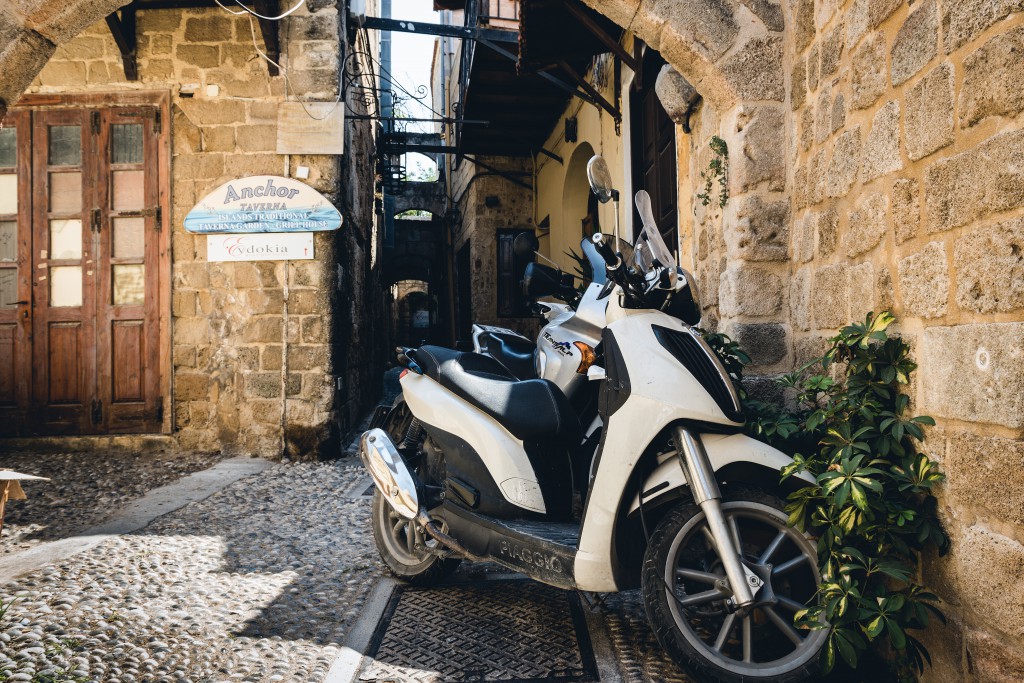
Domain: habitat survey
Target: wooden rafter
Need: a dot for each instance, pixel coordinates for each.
(599, 33)
(269, 29)
(595, 96)
(122, 28)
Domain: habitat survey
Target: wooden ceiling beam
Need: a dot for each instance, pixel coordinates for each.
(269, 29)
(122, 28)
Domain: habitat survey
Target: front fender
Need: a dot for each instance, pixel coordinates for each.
(723, 450)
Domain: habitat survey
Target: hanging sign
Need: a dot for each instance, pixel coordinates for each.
(278, 246)
(263, 203)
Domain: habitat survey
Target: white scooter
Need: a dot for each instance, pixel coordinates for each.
(676, 499)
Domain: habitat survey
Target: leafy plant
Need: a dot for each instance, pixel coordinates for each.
(6, 606)
(718, 169)
(729, 352)
(871, 509)
(582, 270)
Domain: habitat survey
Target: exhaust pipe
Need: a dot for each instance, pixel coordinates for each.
(389, 473)
(398, 486)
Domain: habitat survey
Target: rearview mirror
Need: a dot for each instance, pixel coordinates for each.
(600, 178)
(525, 244)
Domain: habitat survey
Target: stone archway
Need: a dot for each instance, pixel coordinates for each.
(31, 30)
(731, 52)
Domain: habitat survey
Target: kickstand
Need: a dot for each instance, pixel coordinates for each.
(594, 601)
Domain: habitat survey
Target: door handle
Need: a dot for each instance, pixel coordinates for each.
(24, 314)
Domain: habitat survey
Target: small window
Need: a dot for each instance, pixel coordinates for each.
(512, 303)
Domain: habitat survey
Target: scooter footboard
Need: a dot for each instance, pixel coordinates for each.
(723, 450)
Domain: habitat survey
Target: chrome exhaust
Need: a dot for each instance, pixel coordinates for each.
(398, 486)
(389, 473)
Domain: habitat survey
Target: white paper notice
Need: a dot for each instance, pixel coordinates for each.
(267, 246)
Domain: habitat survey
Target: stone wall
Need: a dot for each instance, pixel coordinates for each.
(907, 192)
(479, 223)
(258, 363)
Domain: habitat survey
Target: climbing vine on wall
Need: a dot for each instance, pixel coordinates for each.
(717, 170)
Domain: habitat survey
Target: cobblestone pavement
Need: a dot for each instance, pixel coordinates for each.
(83, 490)
(262, 581)
(259, 582)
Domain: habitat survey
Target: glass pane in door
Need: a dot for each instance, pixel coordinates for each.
(129, 190)
(129, 237)
(126, 143)
(8, 193)
(129, 285)
(66, 286)
(8, 287)
(8, 146)
(8, 241)
(65, 145)
(66, 239)
(66, 192)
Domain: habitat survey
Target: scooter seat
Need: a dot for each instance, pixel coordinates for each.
(529, 409)
(514, 353)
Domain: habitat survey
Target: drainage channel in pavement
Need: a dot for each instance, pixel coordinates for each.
(499, 629)
(511, 630)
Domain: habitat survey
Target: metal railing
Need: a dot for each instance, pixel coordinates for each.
(498, 9)
(479, 14)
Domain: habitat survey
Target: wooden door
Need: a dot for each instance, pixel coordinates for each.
(654, 152)
(15, 270)
(64, 252)
(81, 284)
(127, 277)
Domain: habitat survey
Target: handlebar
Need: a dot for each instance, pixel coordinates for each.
(630, 281)
(606, 252)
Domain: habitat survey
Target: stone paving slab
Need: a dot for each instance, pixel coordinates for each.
(274, 577)
(258, 582)
(136, 515)
(84, 489)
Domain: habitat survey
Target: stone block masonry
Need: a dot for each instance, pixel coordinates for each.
(255, 366)
(924, 179)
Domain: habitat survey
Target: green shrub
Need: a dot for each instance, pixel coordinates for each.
(872, 510)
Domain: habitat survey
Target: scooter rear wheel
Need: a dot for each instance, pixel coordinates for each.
(406, 549)
(682, 574)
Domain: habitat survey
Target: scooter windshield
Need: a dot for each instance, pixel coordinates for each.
(650, 251)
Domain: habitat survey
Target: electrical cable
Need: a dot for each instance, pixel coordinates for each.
(246, 10)
(284, 72)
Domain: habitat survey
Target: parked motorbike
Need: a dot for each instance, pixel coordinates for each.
(566, 339)
(516, 352)
(661, 491)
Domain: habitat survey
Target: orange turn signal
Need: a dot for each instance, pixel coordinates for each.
(588, 357)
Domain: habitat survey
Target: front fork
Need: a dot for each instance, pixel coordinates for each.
(704, 487)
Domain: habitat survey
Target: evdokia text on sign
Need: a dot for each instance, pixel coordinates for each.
(281, 246)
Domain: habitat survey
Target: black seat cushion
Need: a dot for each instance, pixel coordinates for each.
(430, 358)
(515, 353)
(529, 409)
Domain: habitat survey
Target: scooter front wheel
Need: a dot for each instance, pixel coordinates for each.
(406, 549)
(685, 593)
